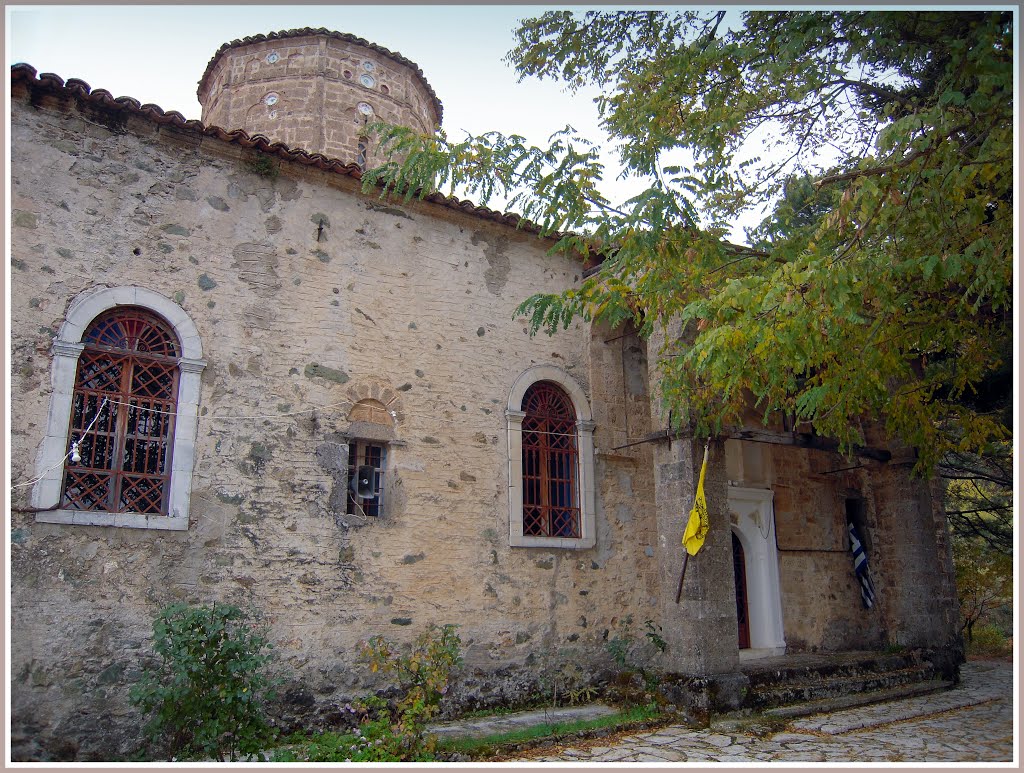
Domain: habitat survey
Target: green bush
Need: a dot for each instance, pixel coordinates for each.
(391, 730)
(422, 677)
(206, 694)
(989, 640)
(563, 678)
(636, 682)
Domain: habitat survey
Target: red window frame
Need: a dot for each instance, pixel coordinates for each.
(550, 463)
(122, 415)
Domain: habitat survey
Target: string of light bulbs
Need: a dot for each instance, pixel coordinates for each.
(75, 455)
(286, 414)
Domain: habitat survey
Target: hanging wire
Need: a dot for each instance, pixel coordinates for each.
(267, 417)
(285, 415)
(74, 447)
(279, 415)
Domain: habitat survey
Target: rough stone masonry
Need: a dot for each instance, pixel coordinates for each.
(325, 315)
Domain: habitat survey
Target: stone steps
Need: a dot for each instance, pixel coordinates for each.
(857, 699)
(790, 667)
(837, 680)
(804, 689)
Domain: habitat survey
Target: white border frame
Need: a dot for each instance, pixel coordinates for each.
(66, 349)
(585, 460)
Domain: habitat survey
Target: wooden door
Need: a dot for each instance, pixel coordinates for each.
(740, 574)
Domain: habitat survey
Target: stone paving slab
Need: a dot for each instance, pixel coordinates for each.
(475, 728)
(970, 723)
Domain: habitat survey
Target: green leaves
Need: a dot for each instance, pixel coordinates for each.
(205, 696)
(422, 677)
(878, 286)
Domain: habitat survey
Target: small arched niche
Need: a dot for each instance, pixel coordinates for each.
(371, 419)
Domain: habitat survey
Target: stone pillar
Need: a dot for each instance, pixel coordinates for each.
(913, 566)
(701, 630)
(702, 659)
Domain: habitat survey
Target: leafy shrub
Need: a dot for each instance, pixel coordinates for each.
(208, 690)
(636, 682)
(422, 676)
(391, 730)
(264, 166)
(563, 678)
(653, 635)
(984, 581)
(989, 640)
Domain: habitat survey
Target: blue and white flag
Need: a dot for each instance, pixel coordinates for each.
(860, 567)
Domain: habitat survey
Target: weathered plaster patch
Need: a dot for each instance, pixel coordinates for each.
(498, 264)
(257, 264)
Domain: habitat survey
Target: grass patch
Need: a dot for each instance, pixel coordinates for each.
(354, 746)
(494, 744)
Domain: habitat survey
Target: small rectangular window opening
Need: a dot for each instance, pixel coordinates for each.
(363, 142)
(362, 453)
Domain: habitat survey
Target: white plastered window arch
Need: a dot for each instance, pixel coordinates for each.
(66, 349)
(585, 460)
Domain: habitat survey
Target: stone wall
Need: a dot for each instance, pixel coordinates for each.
(821, 596)
(908, 552)
(308, 296)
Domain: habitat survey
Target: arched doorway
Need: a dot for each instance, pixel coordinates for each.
(754, 532)
(739, 570)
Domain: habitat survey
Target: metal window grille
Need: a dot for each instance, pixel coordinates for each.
(550, 499)
(129, 361)
(374, 455)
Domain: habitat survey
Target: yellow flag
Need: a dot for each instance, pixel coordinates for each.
(697, 526)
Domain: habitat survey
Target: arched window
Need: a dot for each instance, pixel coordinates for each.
(551, 461)
(121, 432)
(550, 494)
(120, 436)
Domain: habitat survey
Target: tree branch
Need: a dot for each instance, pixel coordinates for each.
(877, 171)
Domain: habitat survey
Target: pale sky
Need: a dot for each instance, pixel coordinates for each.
(157, 54)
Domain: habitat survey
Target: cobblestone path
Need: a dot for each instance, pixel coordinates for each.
(970, 723)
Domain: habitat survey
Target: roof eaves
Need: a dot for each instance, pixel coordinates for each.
(27, 74)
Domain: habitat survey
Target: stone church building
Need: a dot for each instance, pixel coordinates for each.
(236, 377)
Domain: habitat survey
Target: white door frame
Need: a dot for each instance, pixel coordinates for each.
(754, 525)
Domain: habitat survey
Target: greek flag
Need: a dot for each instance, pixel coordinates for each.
(860, 567)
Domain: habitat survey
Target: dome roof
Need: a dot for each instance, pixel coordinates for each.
(321, 32)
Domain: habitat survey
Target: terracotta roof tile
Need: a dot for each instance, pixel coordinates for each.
(48, 82)
(321, 31)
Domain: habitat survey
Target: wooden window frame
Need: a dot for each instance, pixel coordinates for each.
(584, 462)
(122, 419)
(550, 491)
(66, 349)
(373, 453)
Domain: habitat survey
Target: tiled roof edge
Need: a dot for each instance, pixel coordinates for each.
(27, 74)
(345, 36)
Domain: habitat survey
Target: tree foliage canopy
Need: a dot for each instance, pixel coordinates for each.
(879, 284)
